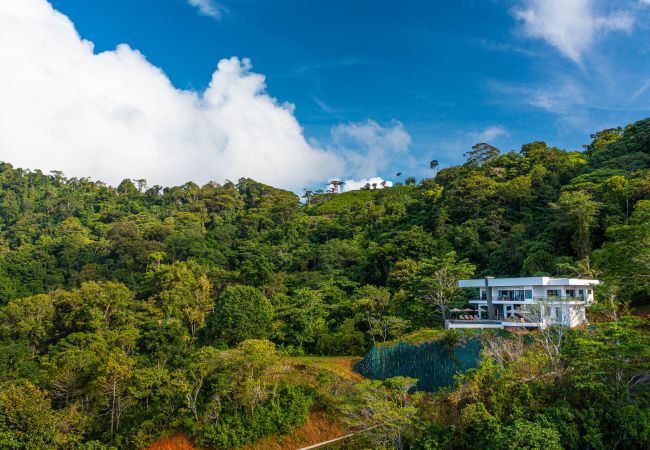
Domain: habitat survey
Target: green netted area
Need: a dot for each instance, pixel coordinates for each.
(433, 362)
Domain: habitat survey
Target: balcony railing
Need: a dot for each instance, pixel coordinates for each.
(553, 298)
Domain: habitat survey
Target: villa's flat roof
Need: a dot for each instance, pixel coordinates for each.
(527, 281)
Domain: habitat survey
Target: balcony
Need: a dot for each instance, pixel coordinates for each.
(529, 301)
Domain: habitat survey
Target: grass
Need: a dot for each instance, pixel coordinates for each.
(416, 337)
(338, 365)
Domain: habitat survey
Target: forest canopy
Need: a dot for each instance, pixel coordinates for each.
(129, 312)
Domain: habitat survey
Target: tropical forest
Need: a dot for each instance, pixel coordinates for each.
(235, 315)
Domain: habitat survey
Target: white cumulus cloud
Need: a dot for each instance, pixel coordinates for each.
(572, 26)
(374, 182)
(489, 133)
(369, 147)
(113, 115)
(207, 7)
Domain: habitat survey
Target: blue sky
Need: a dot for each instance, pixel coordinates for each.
(428, 78)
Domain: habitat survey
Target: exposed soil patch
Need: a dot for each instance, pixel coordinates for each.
(317, 429)
(176, 442)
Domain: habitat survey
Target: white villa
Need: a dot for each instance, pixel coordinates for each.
(528, 302)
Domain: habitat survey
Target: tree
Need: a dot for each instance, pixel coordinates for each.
(256, 370)
(302, 319)
(632, 272)
(182, 293)
(609, 303)
(536, 151)
(94, 306)
(142, 184)
(203, 365)
(437, 282)
(578, 210)
(335, 186)
(527, 435)
(31, 319)
(611, 356)
(241, 313)
(28, 421)
(112, 386)
(481, 154)
(472, 197)
(374, 306)
(601, 138)
(308, 195)
(551, 334)
(384, 411)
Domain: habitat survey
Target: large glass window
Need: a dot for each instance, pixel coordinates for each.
(552, 292)
(511, 294)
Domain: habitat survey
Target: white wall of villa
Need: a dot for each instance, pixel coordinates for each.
(527, 289)
(562, 300)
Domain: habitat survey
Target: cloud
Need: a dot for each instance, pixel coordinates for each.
(114, 115)
(369, 147)
(570, 26)
(353, 185)
(489, 133)
(208, 8)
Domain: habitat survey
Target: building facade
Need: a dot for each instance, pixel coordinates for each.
(529, 302)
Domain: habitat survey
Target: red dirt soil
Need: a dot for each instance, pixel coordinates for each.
(176, 442)
(317, 429)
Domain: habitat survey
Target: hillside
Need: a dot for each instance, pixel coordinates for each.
(132, 313)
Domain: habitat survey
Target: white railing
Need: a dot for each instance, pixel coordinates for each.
(553, 298)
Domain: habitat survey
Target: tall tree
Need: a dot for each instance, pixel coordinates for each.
(437, 282)
(481, 154)
(578, 211)
(241, 313)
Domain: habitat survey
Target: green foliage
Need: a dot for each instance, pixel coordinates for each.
(128, 313)
(385, 410)
(598, 396)
(529, 436)
(280, 415)
(27, 420)
(577, 210)
(631, 239)
(241, 313)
